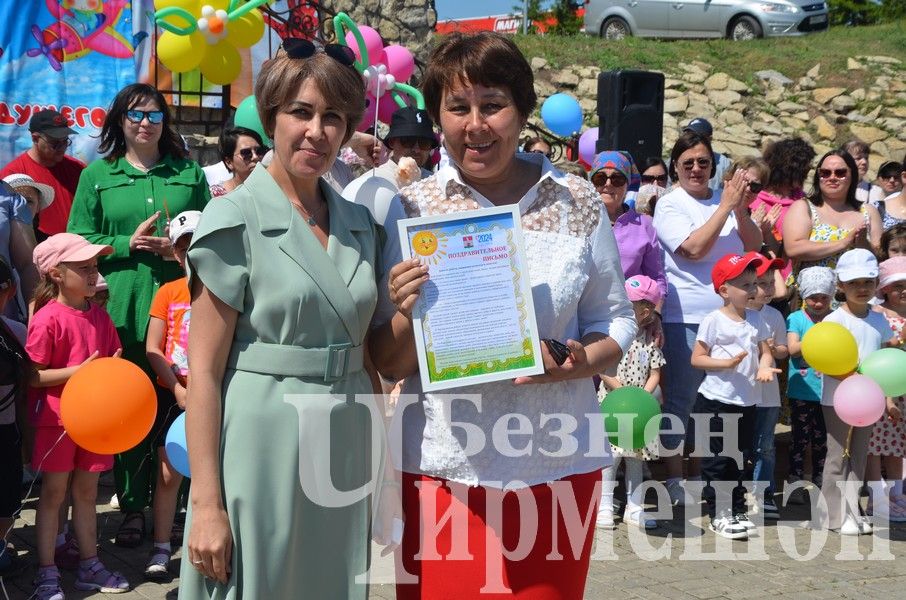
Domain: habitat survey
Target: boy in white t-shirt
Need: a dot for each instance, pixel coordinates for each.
(732, 348)
(768, 410)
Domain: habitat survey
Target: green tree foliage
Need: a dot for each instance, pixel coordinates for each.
(534, 13)
(566, 21)
(853, 12)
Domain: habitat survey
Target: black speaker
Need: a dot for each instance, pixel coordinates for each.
(631, 113)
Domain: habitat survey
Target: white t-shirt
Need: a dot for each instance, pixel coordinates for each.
(8, 415)
(690, 293)
(770, 392)
(870, 332)
(727, 338)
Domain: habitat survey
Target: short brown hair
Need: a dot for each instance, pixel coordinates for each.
(750, 162)
(281, 77)
(483, 58)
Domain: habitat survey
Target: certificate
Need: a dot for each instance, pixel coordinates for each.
(474, 320)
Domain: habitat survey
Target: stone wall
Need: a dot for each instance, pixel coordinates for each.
(746, 116)
(406, 22)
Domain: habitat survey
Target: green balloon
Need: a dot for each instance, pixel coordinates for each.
(627, 412)
(887, 367)
(247, 116)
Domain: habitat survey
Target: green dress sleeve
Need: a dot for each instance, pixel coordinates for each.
(219, 256)
(86, 216)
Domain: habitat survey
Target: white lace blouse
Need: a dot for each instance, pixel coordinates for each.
(500, 434)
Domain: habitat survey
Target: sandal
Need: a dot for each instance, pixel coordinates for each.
(66, 555)
(157, 567)
(99, 578)
(129, 535)
(47, 584)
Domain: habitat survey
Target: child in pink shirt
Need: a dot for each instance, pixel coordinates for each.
(66, 333)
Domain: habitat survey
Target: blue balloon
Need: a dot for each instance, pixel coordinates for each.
(562, 114)
(177, 452)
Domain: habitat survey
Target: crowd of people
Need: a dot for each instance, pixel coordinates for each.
(284, 291)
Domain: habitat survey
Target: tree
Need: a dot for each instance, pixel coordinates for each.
(566, 20)
(534, 13)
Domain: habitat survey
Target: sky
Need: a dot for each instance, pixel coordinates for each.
(457, 9)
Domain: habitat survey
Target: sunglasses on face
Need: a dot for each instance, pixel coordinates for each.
(410, 142)
(302, 48)
(539, 151)
(616, 179)
(246, 153)
(889, 177)
(661, 179)
(57, 144)
(837, 173)
(703, 163)
(755, 187)
(155, 117)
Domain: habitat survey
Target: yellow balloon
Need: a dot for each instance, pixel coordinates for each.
(246, 30)
(181, 53)
(831, 349)
(221, 64)
(193, 6)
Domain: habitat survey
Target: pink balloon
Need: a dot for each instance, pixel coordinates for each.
(400, 62)
(587, 145)
(373, 43)
(386, 108)
(859, 401)
(368, 116)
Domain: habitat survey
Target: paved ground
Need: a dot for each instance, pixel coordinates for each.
(679, 560)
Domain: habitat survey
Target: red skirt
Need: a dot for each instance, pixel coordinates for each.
(479, 542)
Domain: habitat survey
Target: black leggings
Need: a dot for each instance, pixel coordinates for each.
(807, 422)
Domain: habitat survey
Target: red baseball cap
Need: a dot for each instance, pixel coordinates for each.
(767, 264)
(731, 266)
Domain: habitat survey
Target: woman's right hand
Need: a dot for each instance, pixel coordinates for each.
(734, 190)
(143, 240)
(406, 279)
(211, 543)
(858, 237)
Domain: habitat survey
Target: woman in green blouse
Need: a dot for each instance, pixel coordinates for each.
(125, 200)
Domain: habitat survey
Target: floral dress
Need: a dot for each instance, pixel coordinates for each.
(634, 369)
(889, 438)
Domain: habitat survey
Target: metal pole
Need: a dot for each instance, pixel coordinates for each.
(524, 17)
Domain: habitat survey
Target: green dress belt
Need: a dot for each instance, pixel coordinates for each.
(332, 363)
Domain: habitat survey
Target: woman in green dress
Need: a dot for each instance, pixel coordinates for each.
(125, 200)
(282, 273)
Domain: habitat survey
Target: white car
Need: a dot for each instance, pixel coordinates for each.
(734, 19)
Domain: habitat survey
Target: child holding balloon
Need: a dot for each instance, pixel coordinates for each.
(804, 384)
(66, 333)
(167, 348)
(639, 367)
(847, 445)
(888, 436)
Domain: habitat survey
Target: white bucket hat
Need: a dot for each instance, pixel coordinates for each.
(18, 180)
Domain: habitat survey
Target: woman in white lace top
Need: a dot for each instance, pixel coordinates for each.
(540, 438)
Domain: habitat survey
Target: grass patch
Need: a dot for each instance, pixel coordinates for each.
(791, 56)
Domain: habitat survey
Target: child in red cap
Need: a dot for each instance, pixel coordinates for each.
(732, 348)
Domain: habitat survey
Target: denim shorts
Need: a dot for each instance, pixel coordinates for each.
(680, 379)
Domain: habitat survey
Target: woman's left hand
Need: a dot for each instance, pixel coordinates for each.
(154, 244)
(576, 363)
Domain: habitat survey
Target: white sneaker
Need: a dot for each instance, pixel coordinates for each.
(638, 518)
(865, 527)
(114, 502)
(743, 519)
(849, 527)
(605, 519)
(728, 527)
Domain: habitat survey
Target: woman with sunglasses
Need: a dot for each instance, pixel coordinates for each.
(818, 229)
(612, 174)
(480, 90)
(240, 150)
(282, 275)
(696, 225)
(125, 200)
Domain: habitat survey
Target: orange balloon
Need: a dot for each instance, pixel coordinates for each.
(108, 406)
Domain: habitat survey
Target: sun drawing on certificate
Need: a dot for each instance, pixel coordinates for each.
(429, 247)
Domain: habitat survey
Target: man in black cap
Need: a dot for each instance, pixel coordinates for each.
(47, 162)
(411, 135)
(702, 126)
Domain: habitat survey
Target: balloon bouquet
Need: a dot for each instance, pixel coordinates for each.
(860, 398)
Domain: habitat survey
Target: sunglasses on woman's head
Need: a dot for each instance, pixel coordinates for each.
(302, 48)
(838, 173)
(155, 117)
(616, 179)
(661, 179)
(246, 153)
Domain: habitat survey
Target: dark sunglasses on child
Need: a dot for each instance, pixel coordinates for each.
(155, 117)
(410, 142)
(246, 153)
(302, 48)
